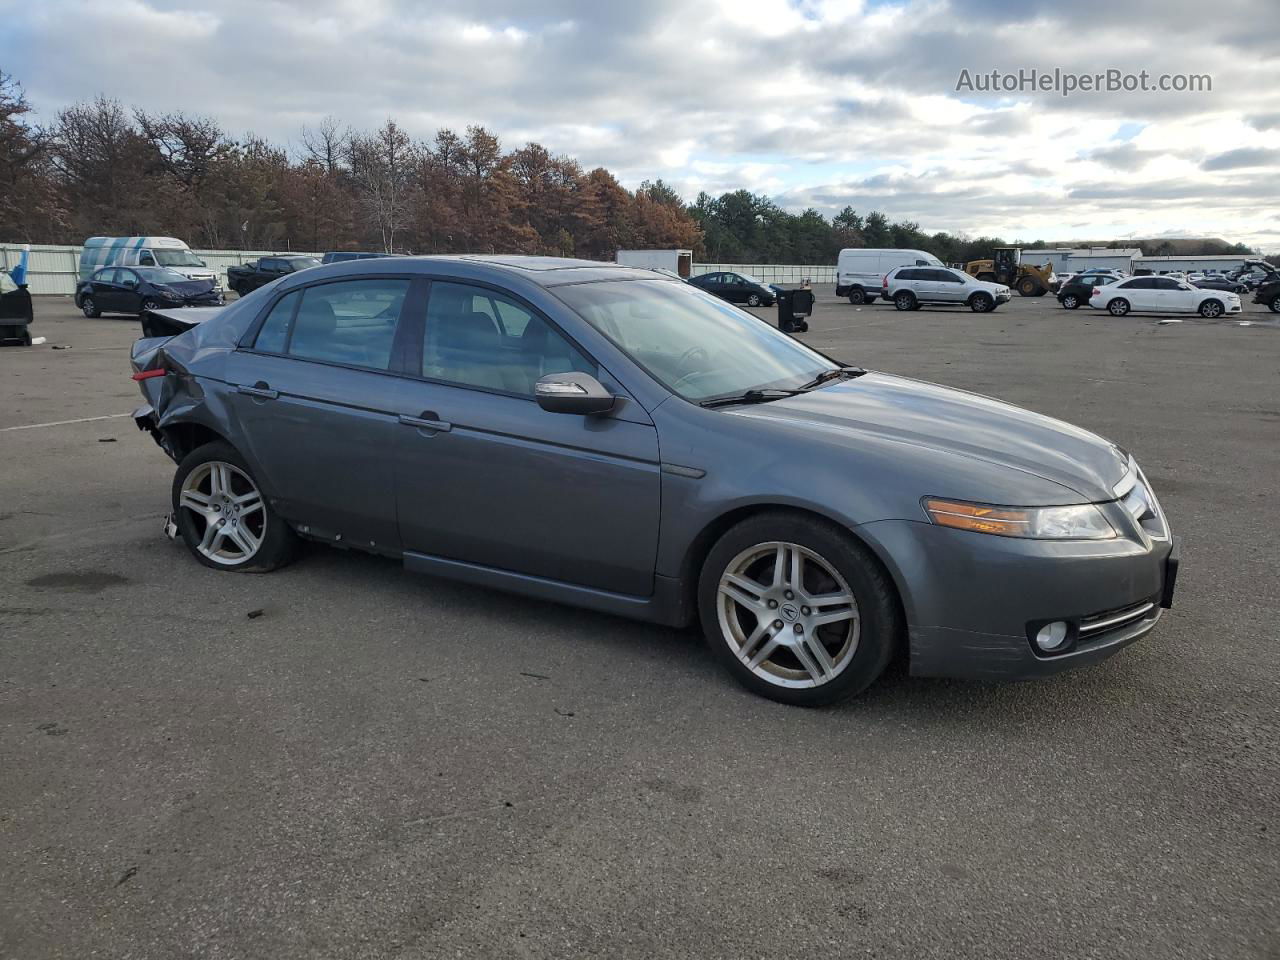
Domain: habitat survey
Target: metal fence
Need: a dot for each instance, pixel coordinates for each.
(55, 269)
(773, 272)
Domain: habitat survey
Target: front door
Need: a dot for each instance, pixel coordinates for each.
(946, 285)
(128, 298)
(317, 399)
(486, 476)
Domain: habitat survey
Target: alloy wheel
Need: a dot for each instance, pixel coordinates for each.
(1070, 302)
(753, 300)
(228, 510)
(87, 307)
(788, 615)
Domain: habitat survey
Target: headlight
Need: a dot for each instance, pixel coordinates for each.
(1081, 521)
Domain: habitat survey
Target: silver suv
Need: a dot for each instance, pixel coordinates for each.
(909, 287)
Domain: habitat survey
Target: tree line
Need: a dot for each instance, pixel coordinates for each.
(98, 168)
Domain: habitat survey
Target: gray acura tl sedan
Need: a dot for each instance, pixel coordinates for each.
(602, 436)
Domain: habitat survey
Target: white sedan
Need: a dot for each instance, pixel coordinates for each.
(1162, 295)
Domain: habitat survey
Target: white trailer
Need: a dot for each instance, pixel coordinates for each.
(679, 262)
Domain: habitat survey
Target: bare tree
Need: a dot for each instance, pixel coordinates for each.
(188, 147)
(327, 145)
(382, 165)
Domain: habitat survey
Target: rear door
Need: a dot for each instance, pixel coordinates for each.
(947, 286)
(488, 477)
(269, 268)
(1139, 292)
(318, 396)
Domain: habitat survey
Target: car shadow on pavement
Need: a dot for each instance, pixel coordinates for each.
(530, 631)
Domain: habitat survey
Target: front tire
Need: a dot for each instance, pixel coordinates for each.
(1028, 287)
(223, 515)
(982, 303)
(797, 610)
(1211, 309)
(1275, 304)
(1118, 307)
(753, 300)
(906, 300)
(90, 308)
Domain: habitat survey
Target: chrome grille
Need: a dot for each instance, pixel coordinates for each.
(1138, 500)
(1113, 619)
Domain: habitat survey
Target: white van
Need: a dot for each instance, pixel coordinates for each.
(860, 271)
(143, 252)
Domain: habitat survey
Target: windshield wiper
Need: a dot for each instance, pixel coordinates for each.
(750, 396)
(827, 375)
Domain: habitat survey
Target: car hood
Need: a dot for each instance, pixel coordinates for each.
(189, 288)
(927, 415)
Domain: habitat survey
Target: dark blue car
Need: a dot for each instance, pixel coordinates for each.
(135, 289)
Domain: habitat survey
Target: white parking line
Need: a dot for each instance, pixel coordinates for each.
(63, 423)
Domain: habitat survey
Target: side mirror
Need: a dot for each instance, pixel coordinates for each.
(578, 393)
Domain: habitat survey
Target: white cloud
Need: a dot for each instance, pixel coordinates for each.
(821, 102)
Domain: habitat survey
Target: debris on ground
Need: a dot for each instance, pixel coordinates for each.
(61, 346)
(536, 676)
(127, 876)
(255, 614)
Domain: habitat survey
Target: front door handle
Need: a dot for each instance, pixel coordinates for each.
(427, 421)
(260, 390)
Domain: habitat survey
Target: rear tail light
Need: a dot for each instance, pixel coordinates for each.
(149, 374)
(884, 282)
(1096, 291)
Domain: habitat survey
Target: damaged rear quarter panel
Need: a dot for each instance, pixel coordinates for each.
(193, 358)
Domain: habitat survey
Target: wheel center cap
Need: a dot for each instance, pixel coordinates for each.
(790, 612)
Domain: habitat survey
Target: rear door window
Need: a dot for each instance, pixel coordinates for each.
(350, 322)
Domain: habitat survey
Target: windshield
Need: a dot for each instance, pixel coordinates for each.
(304, 263)
(695, 345)
(176, 258)
(750, 279)
(161, 275)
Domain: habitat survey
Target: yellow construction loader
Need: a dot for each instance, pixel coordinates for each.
(1007, 267)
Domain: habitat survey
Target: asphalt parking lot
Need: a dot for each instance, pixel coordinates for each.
(344, 760)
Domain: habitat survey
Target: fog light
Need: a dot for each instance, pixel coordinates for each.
(1052, 636)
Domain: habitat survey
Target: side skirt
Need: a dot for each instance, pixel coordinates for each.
(667, 606)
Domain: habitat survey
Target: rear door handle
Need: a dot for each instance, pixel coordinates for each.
(426, 422)
(263, 391)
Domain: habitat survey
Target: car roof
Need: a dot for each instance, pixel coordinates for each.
(503, 269)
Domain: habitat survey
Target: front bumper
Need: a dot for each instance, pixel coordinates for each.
(974, 601)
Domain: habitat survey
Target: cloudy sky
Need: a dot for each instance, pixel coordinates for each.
(815, 102)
